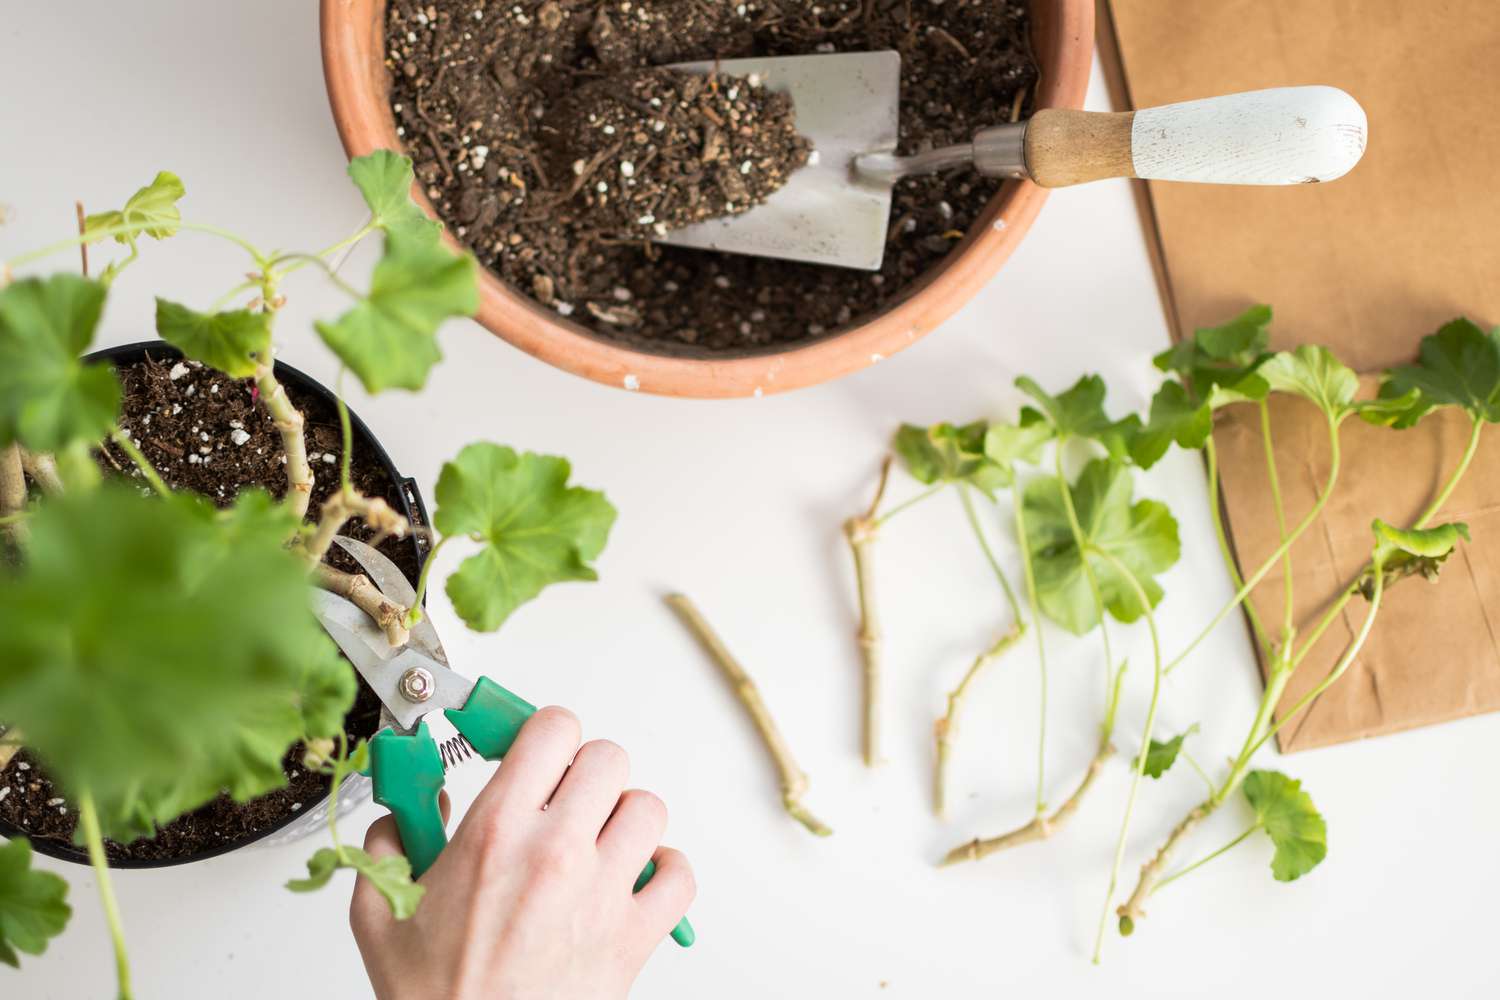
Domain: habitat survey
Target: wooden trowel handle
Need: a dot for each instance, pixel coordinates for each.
(1286, 135)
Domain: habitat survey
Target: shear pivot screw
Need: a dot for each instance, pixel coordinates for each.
(417, 684)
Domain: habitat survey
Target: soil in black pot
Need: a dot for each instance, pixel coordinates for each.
(477, 88)
(205, 433)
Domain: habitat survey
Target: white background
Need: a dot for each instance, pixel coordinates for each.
(738, 503)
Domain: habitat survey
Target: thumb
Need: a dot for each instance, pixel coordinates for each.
(368, 908)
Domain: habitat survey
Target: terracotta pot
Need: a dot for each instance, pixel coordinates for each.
(1063, 40)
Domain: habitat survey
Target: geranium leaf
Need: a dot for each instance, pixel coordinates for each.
(385, 180)
(48, 398)
(153, 207)
(1391, 409)
(1007, 444)
(1218, 364)
(389, 338)
(948, 453)
(390, 875)
(1141, 535)
(178, 637)
(535, 528)
(233, 342)
(1290, 819)
(1079, 412)
(33, 904)
(1316, 375)
(1459, 365)
(1404, 552)
(1174, 418)
(1162, 754)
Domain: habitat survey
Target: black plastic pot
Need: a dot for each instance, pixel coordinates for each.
(410, 504)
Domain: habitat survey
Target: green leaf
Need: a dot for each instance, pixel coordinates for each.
(1288, 816)
(390, 875)
(1393, 410)
(1079, 412)
(1218, 364)
(1459, 365)
(179, 638)
(949, 454)
(1162, 754)
(232, 342)
(33, 904)
(385, 180)
(536, 529)
(389, 338)
(1174, 418)
(1141, 535)
(1317, 376)
(1007, 444)
(48, 398)
(1404, 552)
(154, 207)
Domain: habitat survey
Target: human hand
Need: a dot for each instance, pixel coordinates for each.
(532, 897)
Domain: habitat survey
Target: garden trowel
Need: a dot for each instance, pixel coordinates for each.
(836, 209)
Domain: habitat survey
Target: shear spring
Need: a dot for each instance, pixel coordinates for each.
(455, 751)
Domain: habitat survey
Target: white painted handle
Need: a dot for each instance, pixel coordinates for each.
(1285, 135)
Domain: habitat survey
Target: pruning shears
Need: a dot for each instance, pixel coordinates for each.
(406, 765)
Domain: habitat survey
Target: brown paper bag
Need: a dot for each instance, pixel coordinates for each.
(1367, 265)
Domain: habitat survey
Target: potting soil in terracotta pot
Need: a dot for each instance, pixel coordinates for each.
(206, 434)
(481, 90)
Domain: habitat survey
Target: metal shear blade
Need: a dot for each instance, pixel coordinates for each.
(393, 584)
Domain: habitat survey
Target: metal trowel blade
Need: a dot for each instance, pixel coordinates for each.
(847, 103)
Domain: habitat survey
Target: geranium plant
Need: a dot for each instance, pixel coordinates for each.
(178, 634)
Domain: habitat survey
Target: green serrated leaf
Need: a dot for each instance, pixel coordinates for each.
(385, 180)
(178, 637)
(1162, 754)
(154, 207)
(1404, 552)
(1218, 365)
(389, 338)
(1079, 413)
(1007, 444)
(1290, 819)
(233, 342)
(33, 904)
(1317, 376)
(1174, 418)
(950, 454)
(1459, 365)
(536, 529)
(1141, 535)
(390, 875)
(48, 398)
(1391, 409)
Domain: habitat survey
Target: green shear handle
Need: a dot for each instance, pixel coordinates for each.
(408, 775)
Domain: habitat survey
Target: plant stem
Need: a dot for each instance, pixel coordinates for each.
(120, 438)
(290, 425)
(1132, 909)
(1082, 545)
(1140, 762)
(346, 434)
(989, 555)
(41, 466)
(1274, 480)
(13, 494)
(1211, 452)
(414, 613)
(1029, 574)
(1040, 828)
(1281, 550)
(903, 505)
(299, 260)
(861, 532)
(88, 816)
(1438, 501)
(307, 258)
(358, 590)
(946, 728)
(1237, 841)
(10, 746)
(793, 780)
(132, 228)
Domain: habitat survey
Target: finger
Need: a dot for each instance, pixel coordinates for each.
(666, 898)
(367, 908)
(532, 769)
(590, 788)
(633, 832)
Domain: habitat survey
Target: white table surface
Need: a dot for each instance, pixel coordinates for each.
(738, 503)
